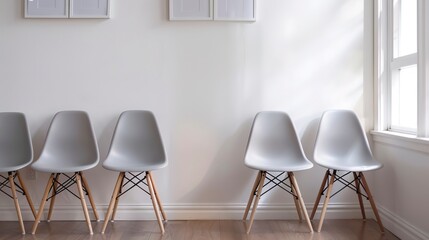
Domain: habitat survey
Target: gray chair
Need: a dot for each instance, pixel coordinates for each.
(274, 149)
(135, 151)
(341, 145)
(16, 152)
(70, 149)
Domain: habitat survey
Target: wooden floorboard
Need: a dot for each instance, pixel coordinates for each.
(198, 230)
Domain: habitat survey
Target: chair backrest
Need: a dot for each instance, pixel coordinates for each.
(273, 138)
(340, 138)
(71, 138)
(138, 138)
(15, 141)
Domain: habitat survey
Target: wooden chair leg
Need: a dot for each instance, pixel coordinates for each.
(91, 200)
(26, 193)
(82, 199)
(295, 199)
(371, 200)
(15, 200)
(154, 202)
(301, 200)
(252, 195)
(256, 201)
(157, 197)
(112, 201)
(54, 191)
(42, 203)
(325, 182)
(357, 184)
(112, 219)
(325, 204)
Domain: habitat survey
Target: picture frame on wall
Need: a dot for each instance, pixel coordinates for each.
(190, 10)
(89, 8)
(235, 10)
(46, 8)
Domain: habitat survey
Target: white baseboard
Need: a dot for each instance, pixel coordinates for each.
(187, 212)
(400, 227)
(392, 222)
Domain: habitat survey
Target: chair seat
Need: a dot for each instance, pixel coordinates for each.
(11, 167)
(128, 164)
(278, 165)
(351, 165)
(52, 165)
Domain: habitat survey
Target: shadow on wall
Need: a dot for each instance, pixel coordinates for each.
(227, 180)
(99, 176)
(106, 137)
(308, 139)
(39, 137)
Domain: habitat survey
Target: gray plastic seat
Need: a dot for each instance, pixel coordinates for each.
(136, 150)
(70, 148)
(341, 145)
(16, 152)
(274, 146)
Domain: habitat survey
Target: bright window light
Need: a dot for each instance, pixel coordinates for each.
(404, 99)
(404, 27)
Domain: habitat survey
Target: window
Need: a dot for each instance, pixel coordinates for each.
(402, 77)
(402, 57)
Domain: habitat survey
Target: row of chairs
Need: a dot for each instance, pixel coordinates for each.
(71, 148)
(341, 146)
(136, 150)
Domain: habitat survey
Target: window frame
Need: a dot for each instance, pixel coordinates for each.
(384, 64)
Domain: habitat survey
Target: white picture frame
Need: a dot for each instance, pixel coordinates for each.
(46, 8)
(234, 10)
(190, 10)
(89, 8)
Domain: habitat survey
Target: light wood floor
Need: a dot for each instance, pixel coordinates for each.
(198, 230)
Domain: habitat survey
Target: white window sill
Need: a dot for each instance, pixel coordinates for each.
(401, 140)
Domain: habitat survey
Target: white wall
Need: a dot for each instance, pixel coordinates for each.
(401, 188)
(203, 80)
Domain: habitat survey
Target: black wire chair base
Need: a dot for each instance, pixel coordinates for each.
(135, 180)
(275, 181)
(347, 184)
(360, 185)
(6, 184)
(58, 187)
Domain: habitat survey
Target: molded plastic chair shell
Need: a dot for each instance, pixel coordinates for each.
(70, 144)
(274, 145)
(136, 147)
(341, 143)
(16, 150)
(136, 144)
